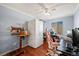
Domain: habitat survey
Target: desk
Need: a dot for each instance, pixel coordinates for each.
(66, 51)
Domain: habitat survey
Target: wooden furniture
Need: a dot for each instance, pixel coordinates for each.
(19, 32)
(15, 30)
(22, 35)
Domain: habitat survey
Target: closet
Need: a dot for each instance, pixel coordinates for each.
(35, 28)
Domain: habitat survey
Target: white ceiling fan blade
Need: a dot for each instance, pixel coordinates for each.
(43, 6)
(53, 8)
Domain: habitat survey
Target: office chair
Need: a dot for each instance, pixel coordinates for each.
(52, 46)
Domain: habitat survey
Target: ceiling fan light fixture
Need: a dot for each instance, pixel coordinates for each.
(47, 13)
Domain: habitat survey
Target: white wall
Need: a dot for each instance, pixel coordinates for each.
(76, 19)
(39, 33)
(25, 25)
(35, 28)
(67, 23)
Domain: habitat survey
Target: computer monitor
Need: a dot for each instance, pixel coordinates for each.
(75, 37)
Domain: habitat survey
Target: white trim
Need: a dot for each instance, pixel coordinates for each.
(8, 52)
(6, 6)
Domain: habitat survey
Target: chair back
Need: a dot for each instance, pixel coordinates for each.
(51, 43)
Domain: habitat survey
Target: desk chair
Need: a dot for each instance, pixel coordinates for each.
(52, 46)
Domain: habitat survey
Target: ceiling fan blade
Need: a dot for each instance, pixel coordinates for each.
(43, 6)
(50, 13)
(53, 8)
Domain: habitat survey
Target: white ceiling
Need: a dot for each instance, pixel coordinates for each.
(35, 10)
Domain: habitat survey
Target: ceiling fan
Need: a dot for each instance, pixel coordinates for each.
(46, 11)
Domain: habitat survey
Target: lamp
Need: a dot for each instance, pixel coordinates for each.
(68, 32)
(46, 13)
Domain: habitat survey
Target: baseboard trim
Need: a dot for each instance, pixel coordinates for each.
(7, 52)
(10, 51)
(16, 52)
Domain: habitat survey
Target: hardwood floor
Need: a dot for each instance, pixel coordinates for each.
(40, 51)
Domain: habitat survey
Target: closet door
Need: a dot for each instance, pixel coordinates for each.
(54, 26)
(58, 27)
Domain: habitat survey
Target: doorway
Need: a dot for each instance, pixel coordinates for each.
(58, 27)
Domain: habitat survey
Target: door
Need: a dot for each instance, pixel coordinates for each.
(58, 27)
